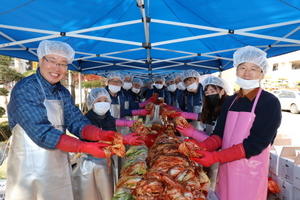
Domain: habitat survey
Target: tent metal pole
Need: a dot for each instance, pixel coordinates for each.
(80, 92)
(270, 26)
(189, 38)
(266, 37)
(106, 26)
(102, 39)
(29, 40)
(23, 47)
(29, 29)
(188, 25)
(287, 35)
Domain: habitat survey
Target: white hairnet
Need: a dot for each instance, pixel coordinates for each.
(127, 74)
(213, 80)
(47, 47)
(159, 78)
(169, 78)
(177, 75)
(95, 94)
(190, 73)
(252, 55)
(115, 75)
(147, 81)
(138, 81)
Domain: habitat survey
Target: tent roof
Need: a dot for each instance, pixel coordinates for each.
(151, 37)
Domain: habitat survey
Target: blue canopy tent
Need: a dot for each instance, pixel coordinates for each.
(150, 37)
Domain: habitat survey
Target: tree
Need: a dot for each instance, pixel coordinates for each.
(5, 60)
(4, 92)
(8, 75)
(2, 111)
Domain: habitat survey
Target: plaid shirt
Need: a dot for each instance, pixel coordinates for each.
(26, 108)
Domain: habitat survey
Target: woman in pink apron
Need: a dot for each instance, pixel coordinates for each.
(245, 130)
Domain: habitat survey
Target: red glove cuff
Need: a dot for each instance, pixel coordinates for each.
(235, 152)
(212, 143)
(92, 133)
(68, 143)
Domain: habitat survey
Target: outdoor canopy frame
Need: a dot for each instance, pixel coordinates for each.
(150, 37)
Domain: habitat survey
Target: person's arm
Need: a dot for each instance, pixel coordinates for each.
(74, 119)
(71, 144)
(167, 96)
(149, 93)
(181, 100)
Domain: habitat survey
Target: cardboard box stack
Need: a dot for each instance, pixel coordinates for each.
(284, 168)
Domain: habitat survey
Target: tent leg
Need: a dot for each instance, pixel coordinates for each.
(80, 92)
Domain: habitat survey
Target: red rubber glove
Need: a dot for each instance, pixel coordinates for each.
(235, 152)
(142, 112)
(93, 133)
(71, 144)
(125, 122)
(212, 143)
(133, 139)
(191, 131)
(153, 99)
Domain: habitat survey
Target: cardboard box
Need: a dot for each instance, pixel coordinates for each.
(283, 141)
(2, 189)
(296, 180)
(286, 189)
(286, 163)
(274, 157)
(296, 194)
(211, 195)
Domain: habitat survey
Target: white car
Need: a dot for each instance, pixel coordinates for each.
(290, 100)
(277, 92)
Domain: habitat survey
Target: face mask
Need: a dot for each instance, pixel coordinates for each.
(192, 87)
(172, 88)
(213, 99)
(181, 86)
(247, 84)
(114, 89)
(101, 107)
(159, 86)
(135, 90)
(127, 86)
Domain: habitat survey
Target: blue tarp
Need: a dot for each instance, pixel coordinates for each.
(151, 36)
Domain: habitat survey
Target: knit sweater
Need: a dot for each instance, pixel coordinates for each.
(265, 125)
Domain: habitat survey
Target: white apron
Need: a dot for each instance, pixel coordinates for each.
(35, 173)
(197, 124)
(91, 179)
(244, 179)
(117, 162)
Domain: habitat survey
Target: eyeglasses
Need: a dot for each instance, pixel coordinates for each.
(54, 63)
(252, 70)
(115, 82)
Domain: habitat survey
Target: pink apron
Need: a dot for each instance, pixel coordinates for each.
(244, 179)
